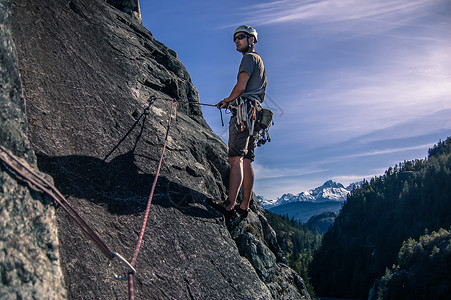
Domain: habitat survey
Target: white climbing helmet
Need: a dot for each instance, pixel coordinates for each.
(247, 29)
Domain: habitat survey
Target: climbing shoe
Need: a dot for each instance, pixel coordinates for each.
(242, 212)
(220, 207)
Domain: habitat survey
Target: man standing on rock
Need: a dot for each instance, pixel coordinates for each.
(243, 101)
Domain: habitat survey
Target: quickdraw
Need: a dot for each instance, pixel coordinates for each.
(246, 113)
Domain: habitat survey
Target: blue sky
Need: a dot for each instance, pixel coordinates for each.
(356, 86)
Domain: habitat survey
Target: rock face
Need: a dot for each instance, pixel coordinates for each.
(29, 258)
(98, 88)
(128, 6)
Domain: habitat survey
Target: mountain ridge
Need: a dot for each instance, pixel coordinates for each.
(305, 210)
(329, 191)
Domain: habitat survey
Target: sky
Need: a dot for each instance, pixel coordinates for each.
(356, 86)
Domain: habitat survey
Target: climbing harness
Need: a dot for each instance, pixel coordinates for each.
(34, 179)
(246, 113)
(250, 114)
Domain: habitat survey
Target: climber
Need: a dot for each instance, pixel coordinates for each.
(245, 98)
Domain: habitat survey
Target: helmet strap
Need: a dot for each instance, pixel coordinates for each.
(249, 46)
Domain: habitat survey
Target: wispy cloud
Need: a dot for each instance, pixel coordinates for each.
(390, 91)
(348, 179)
(330, 11)
(264, 172)
(385, 151)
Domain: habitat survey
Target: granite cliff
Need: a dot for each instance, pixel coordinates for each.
(97, 88)
(29, 256)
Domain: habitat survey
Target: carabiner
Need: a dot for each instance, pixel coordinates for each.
(132, 270)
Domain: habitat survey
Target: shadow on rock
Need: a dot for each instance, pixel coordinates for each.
(118, 185)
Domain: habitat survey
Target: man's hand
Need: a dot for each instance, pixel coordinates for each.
(222, 104)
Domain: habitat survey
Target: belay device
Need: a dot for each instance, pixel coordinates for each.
(264, 121)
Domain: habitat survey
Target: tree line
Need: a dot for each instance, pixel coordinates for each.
(377, 218)
(423, 270)
(297, 242)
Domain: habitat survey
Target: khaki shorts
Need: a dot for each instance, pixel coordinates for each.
(241, 143)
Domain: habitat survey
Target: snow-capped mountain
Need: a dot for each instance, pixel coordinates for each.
(266, 202)
(329, 191)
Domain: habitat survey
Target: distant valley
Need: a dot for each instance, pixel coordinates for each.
(303, 211)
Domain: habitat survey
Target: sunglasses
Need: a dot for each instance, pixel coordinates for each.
(240, 37)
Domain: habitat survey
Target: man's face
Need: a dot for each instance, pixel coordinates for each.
(240, 39)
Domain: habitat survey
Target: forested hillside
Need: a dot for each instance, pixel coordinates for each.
(297, 242)
(422, 272)
(367, 235)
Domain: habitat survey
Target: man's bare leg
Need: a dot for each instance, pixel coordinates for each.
(236, 179)
(248, 183)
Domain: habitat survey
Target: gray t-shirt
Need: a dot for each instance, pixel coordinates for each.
(252, 64)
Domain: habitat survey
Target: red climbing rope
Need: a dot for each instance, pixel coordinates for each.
(149, 201)
(41, 183)
(195, 103)
(205, 104)
(45, 186)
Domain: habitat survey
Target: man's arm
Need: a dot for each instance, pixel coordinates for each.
(238, 89)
